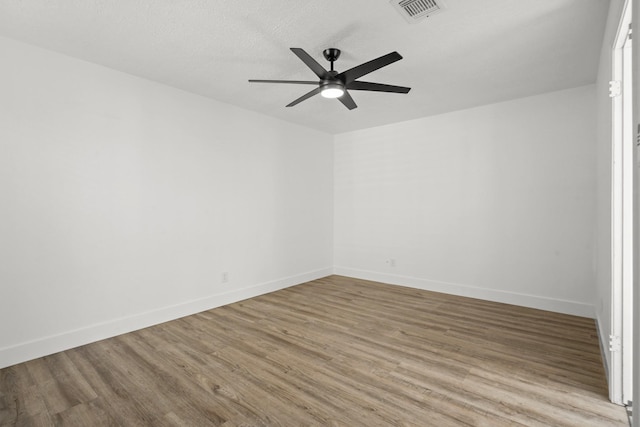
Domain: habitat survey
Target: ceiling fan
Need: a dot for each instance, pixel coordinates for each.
(336, 85)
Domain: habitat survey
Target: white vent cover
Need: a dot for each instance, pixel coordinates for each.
(417, 10)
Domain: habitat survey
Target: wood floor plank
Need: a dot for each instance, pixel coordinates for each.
(332, 352)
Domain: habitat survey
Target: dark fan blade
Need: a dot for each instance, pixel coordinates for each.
(295, 82)
(348, 101)
(311, 63)
(368, 67)
(305, 96)
(377, 87)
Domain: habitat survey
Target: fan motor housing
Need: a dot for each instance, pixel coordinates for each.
(332, 79)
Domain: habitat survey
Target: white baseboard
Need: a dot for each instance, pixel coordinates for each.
(603, 349)
(532, 301)
(52, 344)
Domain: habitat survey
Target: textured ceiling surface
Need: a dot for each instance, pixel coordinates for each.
(473, 53)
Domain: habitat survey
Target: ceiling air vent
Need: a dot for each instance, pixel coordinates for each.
(417, 10)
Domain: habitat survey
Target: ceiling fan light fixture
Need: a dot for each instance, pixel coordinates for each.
(337, 85)
(332, 90)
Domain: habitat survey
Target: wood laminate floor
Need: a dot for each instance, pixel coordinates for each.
(335, 351)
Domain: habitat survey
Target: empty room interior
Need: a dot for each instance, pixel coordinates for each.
(363, 213)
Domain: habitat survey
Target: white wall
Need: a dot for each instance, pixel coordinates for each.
(603, 189)
(122, 201)
(495, 202)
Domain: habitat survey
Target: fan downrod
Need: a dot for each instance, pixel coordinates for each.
(332, 54)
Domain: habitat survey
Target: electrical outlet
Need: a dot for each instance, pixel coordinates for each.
(225, 277)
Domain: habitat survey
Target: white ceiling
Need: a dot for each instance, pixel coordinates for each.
(475, 52)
